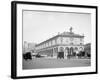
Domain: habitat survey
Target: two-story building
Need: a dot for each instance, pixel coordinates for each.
(66, 42)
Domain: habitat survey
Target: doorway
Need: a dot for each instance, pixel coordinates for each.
(61, 53)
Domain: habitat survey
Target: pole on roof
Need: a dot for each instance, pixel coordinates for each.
(71, 29)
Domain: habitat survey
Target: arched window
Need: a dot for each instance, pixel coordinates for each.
(67, 50)
(61, 49)
(81, 49)
(71, 38)
(71, 50)
(76, 48)
(71, 43)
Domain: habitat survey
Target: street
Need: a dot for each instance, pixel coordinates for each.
(39, 63)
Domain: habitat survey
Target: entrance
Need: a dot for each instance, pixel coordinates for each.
(71, 51)
(61, 53)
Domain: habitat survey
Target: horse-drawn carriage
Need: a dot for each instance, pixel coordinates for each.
(27, 56)
(60, 55)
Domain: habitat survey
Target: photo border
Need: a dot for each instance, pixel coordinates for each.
(14, 38)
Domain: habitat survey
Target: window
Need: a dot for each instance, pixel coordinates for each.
(61, 39)
(71, 39)
(81, 49)
(81, 39)
(76, 48)
(80, 43)
(71, 43)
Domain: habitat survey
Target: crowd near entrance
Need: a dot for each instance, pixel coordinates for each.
(59, 53)
(68, 52)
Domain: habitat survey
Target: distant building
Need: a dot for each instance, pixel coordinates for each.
(66, 42)
(28, 47)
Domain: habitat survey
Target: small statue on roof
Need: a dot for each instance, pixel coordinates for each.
(71, 29)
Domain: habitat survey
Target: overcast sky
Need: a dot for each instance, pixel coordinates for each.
(39, 25)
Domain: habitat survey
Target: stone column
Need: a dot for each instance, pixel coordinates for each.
(65, 54)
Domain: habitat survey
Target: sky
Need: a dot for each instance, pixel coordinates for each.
(39, 26)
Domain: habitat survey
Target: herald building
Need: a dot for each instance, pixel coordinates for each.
(66, 42)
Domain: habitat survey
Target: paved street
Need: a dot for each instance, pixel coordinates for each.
(38, 63)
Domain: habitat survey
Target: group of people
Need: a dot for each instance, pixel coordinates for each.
(60, 55)
(74, 54)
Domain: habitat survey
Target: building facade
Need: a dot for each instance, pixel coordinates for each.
(66, 42)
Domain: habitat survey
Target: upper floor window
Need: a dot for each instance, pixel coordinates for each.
(53, 42)
(48, 43)
(81, 39)
(71, 43)
(61, 39)
(80, 43)
(71, 39)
